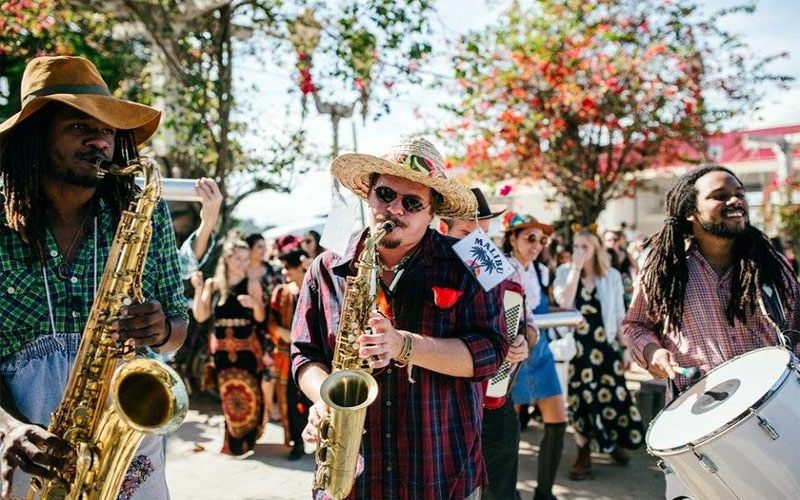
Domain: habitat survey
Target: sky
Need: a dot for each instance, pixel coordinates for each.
(770, 30)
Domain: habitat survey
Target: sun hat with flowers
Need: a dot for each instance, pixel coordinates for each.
(416, 160)
(513, 221)
(75, 81)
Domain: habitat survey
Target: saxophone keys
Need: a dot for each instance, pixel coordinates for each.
(80, 416)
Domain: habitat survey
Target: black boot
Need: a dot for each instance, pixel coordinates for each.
(524, 416)
(550, 450)
(297, 451)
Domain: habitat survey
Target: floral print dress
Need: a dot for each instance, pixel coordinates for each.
(237, 354)
(601, 408)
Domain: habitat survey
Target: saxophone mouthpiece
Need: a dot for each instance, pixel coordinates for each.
(388, 226)
(102, 164)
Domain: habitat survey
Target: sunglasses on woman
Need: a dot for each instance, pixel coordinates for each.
(532, 238)
(411, 203)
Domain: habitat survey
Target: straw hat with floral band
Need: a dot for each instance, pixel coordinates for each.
(515, 222)
(416, 160)
(75, 81)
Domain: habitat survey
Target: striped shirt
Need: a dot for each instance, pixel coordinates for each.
(705, 338)
(23, 294)
(422, 440)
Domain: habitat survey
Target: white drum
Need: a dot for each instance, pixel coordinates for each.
(735, 433)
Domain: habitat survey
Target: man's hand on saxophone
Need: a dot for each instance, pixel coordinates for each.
(383, 344)
(143, 325)
(29, 448)
(316, 414)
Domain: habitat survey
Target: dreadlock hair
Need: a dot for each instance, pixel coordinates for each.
(665, 272)
(23, 160)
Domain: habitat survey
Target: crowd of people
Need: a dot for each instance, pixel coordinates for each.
(707, 287)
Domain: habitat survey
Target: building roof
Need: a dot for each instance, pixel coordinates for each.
(728, 148)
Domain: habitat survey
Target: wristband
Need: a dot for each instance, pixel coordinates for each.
(405, 352)
(168, 328)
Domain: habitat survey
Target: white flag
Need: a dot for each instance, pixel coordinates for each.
(481, 256)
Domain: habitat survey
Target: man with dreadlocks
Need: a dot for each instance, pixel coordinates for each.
(57, 223)
(700, 300)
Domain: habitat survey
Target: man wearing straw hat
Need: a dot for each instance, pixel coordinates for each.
(436, 336)
(59, 217)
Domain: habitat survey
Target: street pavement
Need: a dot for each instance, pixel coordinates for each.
(196, 469)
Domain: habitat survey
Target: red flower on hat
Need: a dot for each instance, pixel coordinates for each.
(445, 298)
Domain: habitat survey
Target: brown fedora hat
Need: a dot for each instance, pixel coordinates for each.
(75, 81)
(485, 211)
(416, 160)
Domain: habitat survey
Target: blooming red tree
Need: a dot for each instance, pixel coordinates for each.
(584, 93)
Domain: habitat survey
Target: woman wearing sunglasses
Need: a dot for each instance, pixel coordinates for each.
(537, 380)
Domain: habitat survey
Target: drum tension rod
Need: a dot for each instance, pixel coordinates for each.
(705, 462)
(767, 427)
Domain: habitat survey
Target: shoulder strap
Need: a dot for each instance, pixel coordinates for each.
(772, 307)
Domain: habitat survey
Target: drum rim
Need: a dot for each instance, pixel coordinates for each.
(791, 366)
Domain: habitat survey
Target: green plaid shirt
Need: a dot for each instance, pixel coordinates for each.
(23, 296)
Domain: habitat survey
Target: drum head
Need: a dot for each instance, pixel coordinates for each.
(718, 399)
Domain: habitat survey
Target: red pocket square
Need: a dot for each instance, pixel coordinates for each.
(445, 298)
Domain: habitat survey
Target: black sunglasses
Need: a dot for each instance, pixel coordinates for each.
(532, 238)
(411, 203)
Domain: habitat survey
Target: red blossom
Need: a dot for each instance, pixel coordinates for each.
(505, 190)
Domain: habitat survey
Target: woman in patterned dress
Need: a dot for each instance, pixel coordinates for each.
(234, 344)
(603, 414)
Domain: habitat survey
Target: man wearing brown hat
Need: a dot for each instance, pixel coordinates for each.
(58, 220)
(434, 325)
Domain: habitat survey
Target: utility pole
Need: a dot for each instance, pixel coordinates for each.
(337, 112)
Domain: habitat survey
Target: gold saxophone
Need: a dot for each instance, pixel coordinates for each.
(108, 405)
(350, 388)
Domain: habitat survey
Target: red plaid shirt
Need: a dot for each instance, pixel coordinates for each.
(422, 440)
(705, 338)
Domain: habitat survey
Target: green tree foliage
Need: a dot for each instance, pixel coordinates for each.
(584, 93)
(193, 48)
(29, 28)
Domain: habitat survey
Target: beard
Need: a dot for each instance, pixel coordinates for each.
(720, 230)
(70, 176)
(87, 181)
(388, 241)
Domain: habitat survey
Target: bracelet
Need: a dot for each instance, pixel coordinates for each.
(168, 336)
(405, 352)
